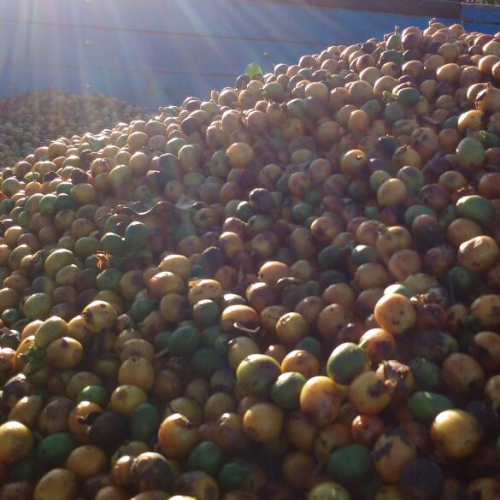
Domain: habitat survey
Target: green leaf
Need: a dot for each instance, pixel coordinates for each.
(253, 69)
(389, 96)
(94, 143)
(32, 176)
